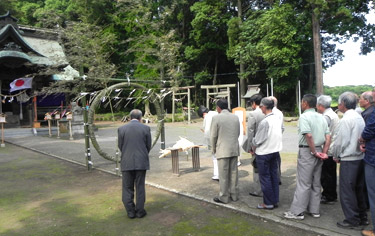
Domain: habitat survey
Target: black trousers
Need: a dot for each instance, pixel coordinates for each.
(131, 179)
(351, 191)
(328, 179)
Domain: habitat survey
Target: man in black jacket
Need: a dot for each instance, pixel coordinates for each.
(134, 142)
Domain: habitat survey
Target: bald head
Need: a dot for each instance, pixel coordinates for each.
(274, 100)
(136, 114)
(366, 100)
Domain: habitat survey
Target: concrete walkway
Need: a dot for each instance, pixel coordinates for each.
(197, 185)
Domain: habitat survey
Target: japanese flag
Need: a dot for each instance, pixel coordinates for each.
(21, 83)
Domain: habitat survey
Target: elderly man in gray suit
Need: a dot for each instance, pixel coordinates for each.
(134, 141)
(225, 129)
(255, 117)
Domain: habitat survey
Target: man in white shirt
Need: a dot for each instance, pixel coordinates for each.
(207, 115)
(255, 117)
(329, 177)
(346, 150)
(267, 144)
(280, 116)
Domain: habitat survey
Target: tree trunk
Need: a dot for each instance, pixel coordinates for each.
(242, 66)
(147, 109)
(214, 82)
(311, 79)
(317, 54)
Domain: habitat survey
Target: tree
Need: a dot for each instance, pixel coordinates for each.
(208, 35)
(340, 20)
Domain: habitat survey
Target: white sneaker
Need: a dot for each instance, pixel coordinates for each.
(290, 215)
(315, 215)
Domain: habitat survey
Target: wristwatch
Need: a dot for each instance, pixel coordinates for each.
(313, 153)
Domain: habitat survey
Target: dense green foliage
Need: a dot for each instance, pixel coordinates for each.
(191, 42)
(335, 92)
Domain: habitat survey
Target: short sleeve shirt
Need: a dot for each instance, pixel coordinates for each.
(313, 123)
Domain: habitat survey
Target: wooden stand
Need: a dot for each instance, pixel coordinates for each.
(175, 159)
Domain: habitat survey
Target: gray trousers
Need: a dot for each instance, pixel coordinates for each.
(307, 194)
(256, 188)
(131, 179)
(228, 179)
(352, 183)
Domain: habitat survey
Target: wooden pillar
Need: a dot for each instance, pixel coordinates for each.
(2, 135)
(58, 128)
(195, 158)
(188, 105)
(207, 99)
(49, 128)
(173, 105)
(228, 95)
(36, 124)
(70, 130)
(1, 104)
(175, 164)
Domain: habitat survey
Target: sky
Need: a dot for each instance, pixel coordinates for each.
(355, 69)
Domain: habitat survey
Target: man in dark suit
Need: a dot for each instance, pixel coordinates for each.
(134, 142)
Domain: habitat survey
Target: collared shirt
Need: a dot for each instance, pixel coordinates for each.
(313, 123)
(268, 138)
(280, 115)
(346, 144)
(207, 126)
(207, 123)
(333, 122)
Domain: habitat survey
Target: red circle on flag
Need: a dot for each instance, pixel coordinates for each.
(19, 82)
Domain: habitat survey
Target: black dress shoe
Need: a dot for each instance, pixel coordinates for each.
(216, 199)
(364, 222)
(346, 225)
(131, 214)
(141, 214)
(327, 201)
(255, 195)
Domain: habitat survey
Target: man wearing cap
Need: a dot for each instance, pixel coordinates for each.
(225, 129)
(207, 119)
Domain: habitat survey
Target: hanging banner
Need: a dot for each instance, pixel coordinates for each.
(21, 83)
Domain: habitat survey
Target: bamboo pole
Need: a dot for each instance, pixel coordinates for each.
(87, 138)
